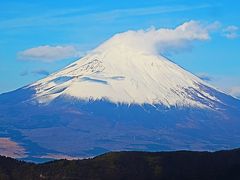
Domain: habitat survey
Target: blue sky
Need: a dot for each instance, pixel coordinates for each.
(66, 29)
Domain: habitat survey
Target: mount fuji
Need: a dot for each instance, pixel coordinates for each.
(120, 96)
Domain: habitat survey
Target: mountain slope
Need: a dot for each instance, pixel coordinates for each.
(119, 97)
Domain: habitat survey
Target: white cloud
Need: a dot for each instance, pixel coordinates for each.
(165, 40)
(152, 40)
(231, 32)
(235, 91)
(227, 84)
(48, 53)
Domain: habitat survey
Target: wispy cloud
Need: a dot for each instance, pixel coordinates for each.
(228, 84)
(119, 13)
(24, 73)
(48, 53)
(235, 91)
(204, 76)
(231, 32)
(41, 72)
(37, 72)
(71, 16)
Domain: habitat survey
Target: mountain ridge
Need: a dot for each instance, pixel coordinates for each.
(131, 165)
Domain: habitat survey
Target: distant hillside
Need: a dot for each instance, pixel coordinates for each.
(222, 165)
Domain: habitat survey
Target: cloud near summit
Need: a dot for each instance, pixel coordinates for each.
(165, 40)
(152, 40)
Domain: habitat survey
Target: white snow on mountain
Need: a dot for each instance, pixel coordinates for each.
(121, 72)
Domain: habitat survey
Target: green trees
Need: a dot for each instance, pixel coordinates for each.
(131, 165)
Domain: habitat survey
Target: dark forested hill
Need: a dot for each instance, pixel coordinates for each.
(132, 165)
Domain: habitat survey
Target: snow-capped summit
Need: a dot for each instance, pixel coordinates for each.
(121, 71)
